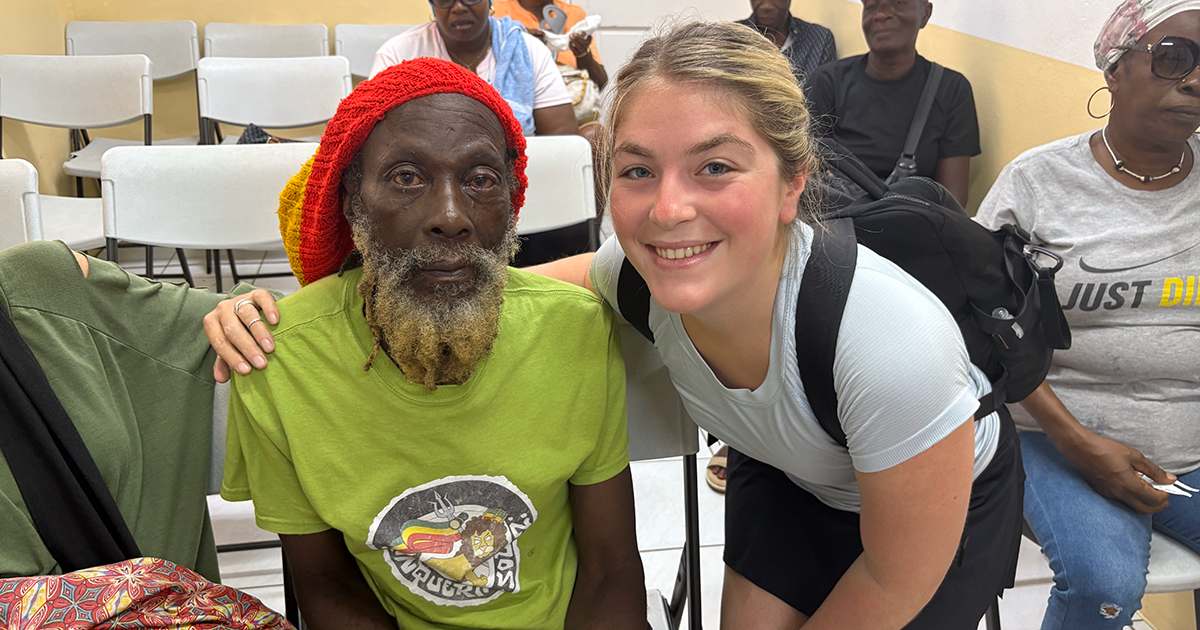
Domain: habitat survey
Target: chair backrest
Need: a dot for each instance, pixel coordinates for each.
(173, 47)
(359, 42)
(199, 197)
(561, 186)
(18, 201)
(659, 426)
(226, 39)
(75, 92)
(272, 93)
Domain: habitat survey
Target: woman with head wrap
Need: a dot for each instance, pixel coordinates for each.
(500, 51)
(1121, 206)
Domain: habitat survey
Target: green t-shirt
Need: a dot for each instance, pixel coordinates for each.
(454, 502)
(127, 358)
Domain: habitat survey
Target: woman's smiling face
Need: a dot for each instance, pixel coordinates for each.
(697, 198)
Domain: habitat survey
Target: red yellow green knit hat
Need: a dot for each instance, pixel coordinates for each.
(315, 232)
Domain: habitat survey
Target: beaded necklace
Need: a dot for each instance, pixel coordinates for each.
(1146, 179)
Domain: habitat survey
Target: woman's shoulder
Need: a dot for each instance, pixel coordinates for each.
(419, 41)
(1062, 151)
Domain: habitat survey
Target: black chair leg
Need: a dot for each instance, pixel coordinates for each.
(691, 546)
(992, 617)
(110, 249)
(183, 265)
(208, 261)
(233, 267)
(149, 262)
(1196, 605)
(216, 256)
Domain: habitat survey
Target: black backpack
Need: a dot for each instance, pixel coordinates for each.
(992, 283)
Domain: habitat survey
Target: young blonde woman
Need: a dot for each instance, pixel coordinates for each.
(915, 524)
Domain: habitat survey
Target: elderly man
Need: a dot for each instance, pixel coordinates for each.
(807, 46)
(439, 439)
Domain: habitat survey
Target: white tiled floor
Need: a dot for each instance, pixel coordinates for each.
(658, 487)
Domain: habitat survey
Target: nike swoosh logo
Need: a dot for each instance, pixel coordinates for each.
(1086, 267)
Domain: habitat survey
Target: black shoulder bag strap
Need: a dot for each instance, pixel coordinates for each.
(906, 166)
(819, 307)
(633, 299)
(71, 507)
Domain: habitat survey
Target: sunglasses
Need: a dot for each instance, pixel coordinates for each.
(446, 4)
(1172, 58)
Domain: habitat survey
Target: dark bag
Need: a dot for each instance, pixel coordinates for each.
(71, 507)
(993, 284)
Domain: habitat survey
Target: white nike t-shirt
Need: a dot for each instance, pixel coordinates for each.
(901, 374)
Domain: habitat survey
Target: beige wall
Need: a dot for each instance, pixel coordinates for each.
(36, 28)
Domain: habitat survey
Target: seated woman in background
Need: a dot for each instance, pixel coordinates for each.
(582, 54)
(866, 103)
(498, 50)
(1122, 207)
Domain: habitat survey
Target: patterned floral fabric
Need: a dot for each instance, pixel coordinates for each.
(1130, 21)
(139, 593)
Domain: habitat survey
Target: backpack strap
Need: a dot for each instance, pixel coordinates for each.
(633, 299)
(819, 307)
(906, 165)
(70, 506)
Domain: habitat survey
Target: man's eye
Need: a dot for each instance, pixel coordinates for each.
(407, 178)
(483, 181)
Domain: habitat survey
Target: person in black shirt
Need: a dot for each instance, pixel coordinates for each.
(807, 46)
(866, 103)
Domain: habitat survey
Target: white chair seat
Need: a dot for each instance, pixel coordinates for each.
(86, 161)
(77, 222)
(234, 139)
(656, 610)
(1173, 567)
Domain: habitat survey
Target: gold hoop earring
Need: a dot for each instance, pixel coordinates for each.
(1093, 96)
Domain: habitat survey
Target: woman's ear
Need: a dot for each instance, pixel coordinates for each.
(1111, 78)
(791, 197)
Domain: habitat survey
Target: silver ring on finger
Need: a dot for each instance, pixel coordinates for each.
(253, 321)
(240, 303)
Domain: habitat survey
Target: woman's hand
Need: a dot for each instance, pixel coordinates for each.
(237, 332)
(1112, 468)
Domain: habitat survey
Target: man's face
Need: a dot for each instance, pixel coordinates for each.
(771, 12)
(434, 173)
(431, 215)
(891, 26)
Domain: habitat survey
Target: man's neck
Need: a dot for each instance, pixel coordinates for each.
(776, 32)
(890, 66)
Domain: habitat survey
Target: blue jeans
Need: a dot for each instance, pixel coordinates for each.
(1098, 549)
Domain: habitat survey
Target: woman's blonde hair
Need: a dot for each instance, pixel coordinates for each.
(741, 62)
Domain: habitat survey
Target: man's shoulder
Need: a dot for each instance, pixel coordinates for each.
(810, 29)
(836, 71)
(321, 300)
(552, 299)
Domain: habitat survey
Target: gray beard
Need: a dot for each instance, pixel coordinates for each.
(434, 339)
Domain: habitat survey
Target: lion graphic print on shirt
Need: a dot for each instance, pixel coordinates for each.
(453, 541)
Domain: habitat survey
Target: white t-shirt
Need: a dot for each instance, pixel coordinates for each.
(901, 374)
(1130, 258)
(426, 41)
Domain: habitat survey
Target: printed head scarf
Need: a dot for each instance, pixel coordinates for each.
(315, 232)
(1130, 21)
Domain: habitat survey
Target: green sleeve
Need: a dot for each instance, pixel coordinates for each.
(611, 454)
(258, 462)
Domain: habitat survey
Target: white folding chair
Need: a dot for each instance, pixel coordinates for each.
(173, 49)
(18, 198)
(203, 197)
(659, 426)
(226, 39)
(271, 93)
(359, 42)
(78, 93)
(558, 218)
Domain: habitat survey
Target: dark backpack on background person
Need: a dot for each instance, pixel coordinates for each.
(1002, 299)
